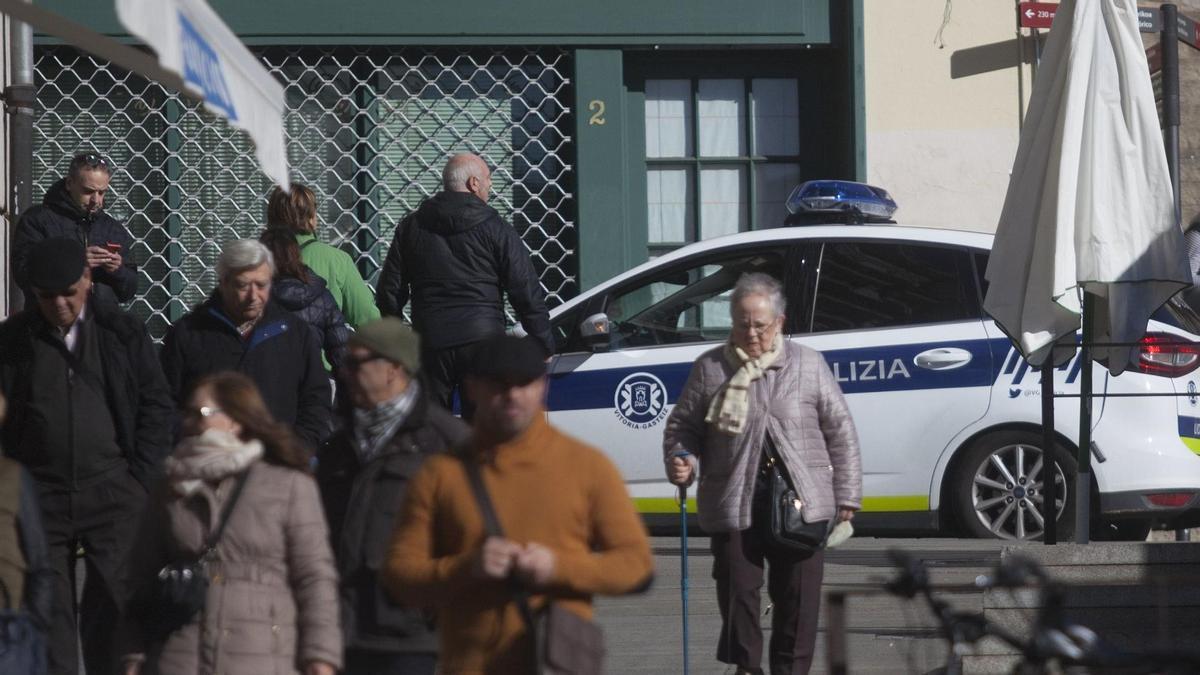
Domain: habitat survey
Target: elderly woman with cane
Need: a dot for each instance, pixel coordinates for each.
(761, 417)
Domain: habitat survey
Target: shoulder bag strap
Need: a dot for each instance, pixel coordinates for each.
(492, 525)
(773, 454)
(211, 545)
(490, 522)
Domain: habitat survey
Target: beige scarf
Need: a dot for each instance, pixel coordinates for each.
(211, 456)
(731, 404)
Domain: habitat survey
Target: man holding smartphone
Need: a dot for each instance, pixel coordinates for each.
(74, 208)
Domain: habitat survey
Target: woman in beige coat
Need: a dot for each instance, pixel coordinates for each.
(761, 390)
(272, 604)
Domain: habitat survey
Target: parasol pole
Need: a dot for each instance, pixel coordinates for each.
(1083, 473)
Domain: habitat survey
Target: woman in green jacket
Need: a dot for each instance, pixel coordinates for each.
(297, 210)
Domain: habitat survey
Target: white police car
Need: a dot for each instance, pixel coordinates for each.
(948, 414)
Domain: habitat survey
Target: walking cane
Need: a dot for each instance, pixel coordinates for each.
(683, 574)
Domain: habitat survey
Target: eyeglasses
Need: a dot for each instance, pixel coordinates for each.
(202, 411)
(351, 363)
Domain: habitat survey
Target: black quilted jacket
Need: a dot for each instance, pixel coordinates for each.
(315, 304)
(456, 259)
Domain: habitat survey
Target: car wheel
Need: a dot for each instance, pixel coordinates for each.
(998, 487)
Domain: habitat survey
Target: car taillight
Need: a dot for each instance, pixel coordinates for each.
(1167, 355)
(1170, 499)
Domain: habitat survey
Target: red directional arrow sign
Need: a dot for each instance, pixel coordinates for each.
(1036, 14)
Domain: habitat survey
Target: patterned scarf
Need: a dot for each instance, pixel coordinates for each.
(730, 406)
(210, 456)
(374, 428)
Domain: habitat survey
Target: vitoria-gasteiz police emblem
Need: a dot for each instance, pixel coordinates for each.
(641, 401)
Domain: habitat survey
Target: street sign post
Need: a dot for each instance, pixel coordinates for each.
(1036, 14)
(1149, 20)
(1188, 30)
(1154, 57)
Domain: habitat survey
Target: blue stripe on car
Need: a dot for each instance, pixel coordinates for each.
(861, 370)
(1189, 427)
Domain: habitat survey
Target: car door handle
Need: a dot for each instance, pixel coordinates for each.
(943, 358)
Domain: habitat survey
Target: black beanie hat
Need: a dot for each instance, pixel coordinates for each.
(56, 263)
(508, 359)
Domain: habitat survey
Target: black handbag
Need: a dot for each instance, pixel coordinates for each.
(563, 642)
(789, 530)
(179, 590)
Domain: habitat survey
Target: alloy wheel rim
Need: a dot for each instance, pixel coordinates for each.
(1006, 492)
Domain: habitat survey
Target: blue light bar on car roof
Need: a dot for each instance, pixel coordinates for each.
(842, 199)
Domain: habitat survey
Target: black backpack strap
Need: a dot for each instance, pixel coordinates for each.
(305, 244)
(210, 546)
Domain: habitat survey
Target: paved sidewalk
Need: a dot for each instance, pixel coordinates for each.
(886, 635)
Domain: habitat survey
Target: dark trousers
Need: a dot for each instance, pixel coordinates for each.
(443, 371)
(381, 663)
(793, 585)
(102, 518)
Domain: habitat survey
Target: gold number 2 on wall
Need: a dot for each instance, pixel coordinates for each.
(597, 108)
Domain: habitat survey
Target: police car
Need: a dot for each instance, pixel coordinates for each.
(947, 412)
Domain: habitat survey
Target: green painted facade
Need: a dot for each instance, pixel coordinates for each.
(615, 47)
(425, 22)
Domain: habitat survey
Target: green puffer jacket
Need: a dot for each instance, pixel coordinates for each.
(337, 268)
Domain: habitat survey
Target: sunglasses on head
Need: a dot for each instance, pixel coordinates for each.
(90, 159)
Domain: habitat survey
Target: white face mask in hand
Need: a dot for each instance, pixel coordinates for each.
(841, 532)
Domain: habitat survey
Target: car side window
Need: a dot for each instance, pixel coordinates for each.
(981, 261)
(565, 329)
(865, 285)
(688, 302)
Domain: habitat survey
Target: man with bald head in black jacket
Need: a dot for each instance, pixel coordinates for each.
(456, 258)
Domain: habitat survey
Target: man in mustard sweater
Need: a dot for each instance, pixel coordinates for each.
(569, 527)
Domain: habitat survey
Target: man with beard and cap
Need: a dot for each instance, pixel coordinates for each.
(456, 259)
(569, 527)
(90, 418)
(240, 327)
(74, 208)
(363, 471)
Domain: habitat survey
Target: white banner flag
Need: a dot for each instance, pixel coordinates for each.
(191, 40)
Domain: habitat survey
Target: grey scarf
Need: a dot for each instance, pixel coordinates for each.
(374, 428)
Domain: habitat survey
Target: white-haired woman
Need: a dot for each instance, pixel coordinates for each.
(239, 327)
(756, 399)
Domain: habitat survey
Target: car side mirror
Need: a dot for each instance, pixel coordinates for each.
(596, 331)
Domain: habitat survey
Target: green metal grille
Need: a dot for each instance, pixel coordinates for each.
(368, 130)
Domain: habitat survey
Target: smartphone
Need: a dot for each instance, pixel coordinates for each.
(113, 247)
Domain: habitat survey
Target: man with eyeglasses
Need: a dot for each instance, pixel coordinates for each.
(90, 418)
(74, 208)
(363, 471)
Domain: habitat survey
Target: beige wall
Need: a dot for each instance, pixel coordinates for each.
(1189, 120)
(943, 142)
(943, 145)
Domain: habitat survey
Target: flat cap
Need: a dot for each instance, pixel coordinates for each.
(55, 263)
(392, 339)
(508, 359)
